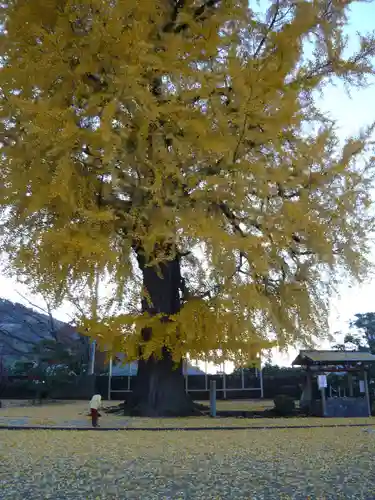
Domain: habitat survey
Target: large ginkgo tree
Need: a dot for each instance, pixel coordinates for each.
(180, 139)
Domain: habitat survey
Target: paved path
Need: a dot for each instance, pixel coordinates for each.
(121, 423)
(53, 423)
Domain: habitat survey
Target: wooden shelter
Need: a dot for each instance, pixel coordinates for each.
(354, 363)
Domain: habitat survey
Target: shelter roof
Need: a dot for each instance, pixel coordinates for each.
(309, 357)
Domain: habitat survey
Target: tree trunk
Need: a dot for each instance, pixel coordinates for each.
(160, 389)
(160, 386)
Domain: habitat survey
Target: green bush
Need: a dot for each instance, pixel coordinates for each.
(284, 405)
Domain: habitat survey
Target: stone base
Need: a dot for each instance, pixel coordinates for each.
(342, 407)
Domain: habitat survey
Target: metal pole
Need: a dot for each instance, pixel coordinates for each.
(367, 395)
(224, 383)
(242, 379)
(205, 375)
(92, 358)
(94, 314)
(261, 383)
(186, 377)
(109, 378)
(213, 398)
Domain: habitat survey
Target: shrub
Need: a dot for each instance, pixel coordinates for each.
(20, 389)
(284, 405)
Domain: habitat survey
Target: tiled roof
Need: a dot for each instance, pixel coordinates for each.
(334, 357)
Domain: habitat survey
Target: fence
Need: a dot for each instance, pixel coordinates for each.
(250, 385)
(22, 387)
(234, 386)
(198, 386)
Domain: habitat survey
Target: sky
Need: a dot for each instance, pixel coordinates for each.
(350, 113)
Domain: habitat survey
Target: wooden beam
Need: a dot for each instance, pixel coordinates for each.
(367, 395)
(350, 383)
(324, 406)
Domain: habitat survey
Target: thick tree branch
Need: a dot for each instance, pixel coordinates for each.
(200, 13)
(232, 218)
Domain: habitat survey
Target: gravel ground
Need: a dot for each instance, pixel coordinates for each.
(277, 464)
(75, 413)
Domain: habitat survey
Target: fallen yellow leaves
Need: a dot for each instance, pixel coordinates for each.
(268, 464)
(60, 414)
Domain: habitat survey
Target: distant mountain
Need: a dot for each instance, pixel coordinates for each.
(21, 328)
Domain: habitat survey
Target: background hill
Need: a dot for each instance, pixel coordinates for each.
(23, 329)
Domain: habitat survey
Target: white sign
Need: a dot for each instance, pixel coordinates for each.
(362, 389)
(322, 381)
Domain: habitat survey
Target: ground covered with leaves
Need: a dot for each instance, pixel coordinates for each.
(270, 464)
(74, 414)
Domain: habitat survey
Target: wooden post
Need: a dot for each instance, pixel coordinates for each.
(309, 393)
(109, 378)
(367, 395)
(213, 398)
(350, 383)
(323, 393)
(323, 378)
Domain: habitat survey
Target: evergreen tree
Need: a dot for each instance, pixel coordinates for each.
(180, 139)
(362, 335)
(365, 323)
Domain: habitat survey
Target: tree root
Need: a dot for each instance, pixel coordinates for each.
(131, 410)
